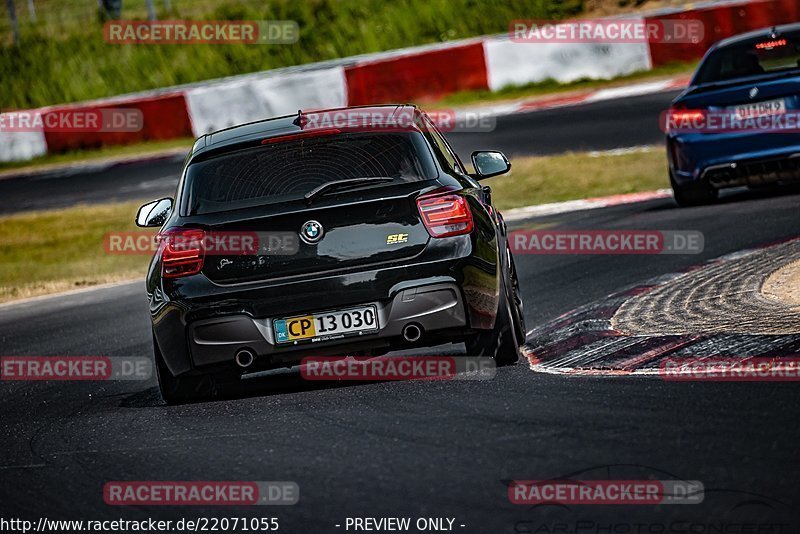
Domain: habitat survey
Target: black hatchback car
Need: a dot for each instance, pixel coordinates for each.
(343, 232)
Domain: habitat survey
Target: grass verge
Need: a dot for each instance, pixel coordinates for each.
(58, 250)
(539, 180)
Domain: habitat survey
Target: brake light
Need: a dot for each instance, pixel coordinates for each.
(684, 119)
(182, 252)
(321, 132)
(684, 115)
(445, 215)
(769, 45)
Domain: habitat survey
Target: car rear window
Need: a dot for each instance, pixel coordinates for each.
(763, 55)
(284, 171)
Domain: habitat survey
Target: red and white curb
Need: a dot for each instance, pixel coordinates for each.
(518, 214)
(586, 341)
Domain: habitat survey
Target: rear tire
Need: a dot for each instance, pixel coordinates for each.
(185, 388)
(696, 194)
(517, 306)
(501, 342)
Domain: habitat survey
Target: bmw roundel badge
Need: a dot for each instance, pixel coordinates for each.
(311, 232)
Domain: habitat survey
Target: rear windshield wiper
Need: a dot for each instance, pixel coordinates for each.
(341, 184)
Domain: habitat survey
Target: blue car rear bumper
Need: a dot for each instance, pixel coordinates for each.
(732, 160)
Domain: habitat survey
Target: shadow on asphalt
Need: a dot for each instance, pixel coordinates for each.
(250, 387)
(282, 382)
(736, 195)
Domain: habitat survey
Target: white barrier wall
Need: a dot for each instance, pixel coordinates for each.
(261, 97)
(20, 146)
(519, 63)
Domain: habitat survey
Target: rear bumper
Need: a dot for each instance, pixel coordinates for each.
(779, 170)
(432, 307)
(724, 161)
(448, 291)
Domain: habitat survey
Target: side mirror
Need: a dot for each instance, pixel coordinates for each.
(490, 163)
(154, 213)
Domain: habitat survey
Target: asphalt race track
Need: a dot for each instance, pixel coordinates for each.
(418, 449)
(443, 449)
(602, 126)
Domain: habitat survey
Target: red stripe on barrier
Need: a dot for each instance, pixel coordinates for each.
(422, 76)
(163, 117)
(720, 23)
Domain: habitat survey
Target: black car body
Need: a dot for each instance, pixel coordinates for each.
(740, 117)
(405, 232)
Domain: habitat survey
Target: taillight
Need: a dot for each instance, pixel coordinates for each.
(769, 45)
(445, 214)
(684, 119)
(687, 114)
(182, 252)
(302, 135)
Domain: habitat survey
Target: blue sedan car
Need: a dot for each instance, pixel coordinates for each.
(737, 122)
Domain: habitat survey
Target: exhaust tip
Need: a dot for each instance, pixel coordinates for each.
(245, 358)
(412, 332)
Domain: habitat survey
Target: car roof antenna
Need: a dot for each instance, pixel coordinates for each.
(300, 120)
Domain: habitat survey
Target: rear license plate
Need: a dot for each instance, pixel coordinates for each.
(759, 109)
(321, 326)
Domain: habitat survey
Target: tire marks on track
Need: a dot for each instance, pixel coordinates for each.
(674, 316)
